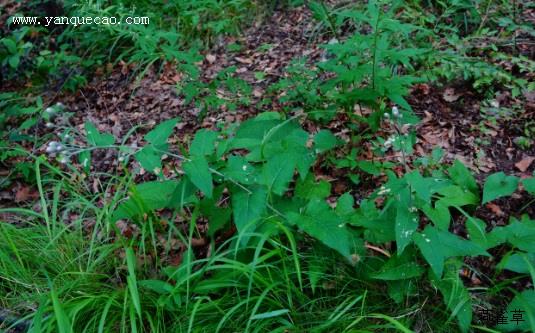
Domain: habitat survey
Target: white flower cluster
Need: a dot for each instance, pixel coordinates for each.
(388, 143)
(54, 147)
(395, 113)
(52, 112)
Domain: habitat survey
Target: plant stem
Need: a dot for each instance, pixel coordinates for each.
(374, 60)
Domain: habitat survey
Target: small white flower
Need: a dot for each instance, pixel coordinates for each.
(50, 149)
(386, 115)
(395, 111)
(60, 105)
(244, 167)
(49, 125)
(59, 147)
(388, 143)
(121, 158)
(63, 159)
(50, 110)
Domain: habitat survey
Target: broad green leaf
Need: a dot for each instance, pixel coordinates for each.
(406, 220)
(400, 290)
(435, 258)
(518, 262)
(14, 61)
(422, 186)
(265, 127)
(183, 194)
(199, 173)
(240, 170)
(521, 234)
(454, 246)
(379, 226)
(10, 44)
(321, 222)
(150, 158)
(437, 245)
(28, 123)
(203, 143)
(497, 236)
(460, 174)
(304, 160)
(398, 269)
(218, 217)
(344, 205)
(149, 196)
(159, 135)
(85, 160)
(324, 140)
(252, 132)
(476, 231)
(498, 185)
(440, 215)
(373, 168)
(456, 196)
(286, 138)
(529, 185)
(95, 138)
(277, 173)
(293, 145)
(309, 189)
(248, 207)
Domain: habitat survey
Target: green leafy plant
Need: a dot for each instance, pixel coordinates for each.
(224, 90)
(13, 50)
(361, 71)
(250, 168)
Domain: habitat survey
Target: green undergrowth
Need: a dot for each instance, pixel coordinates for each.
(295, 262)
(241, 229)
(67, 278)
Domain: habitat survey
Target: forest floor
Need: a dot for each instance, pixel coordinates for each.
(480, 132)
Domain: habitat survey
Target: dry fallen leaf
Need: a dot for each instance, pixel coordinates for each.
(247, 61)
(449, 95)
(210, 58)
(257, 93)
(25, 193)
(495, 209)
(524, 164)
